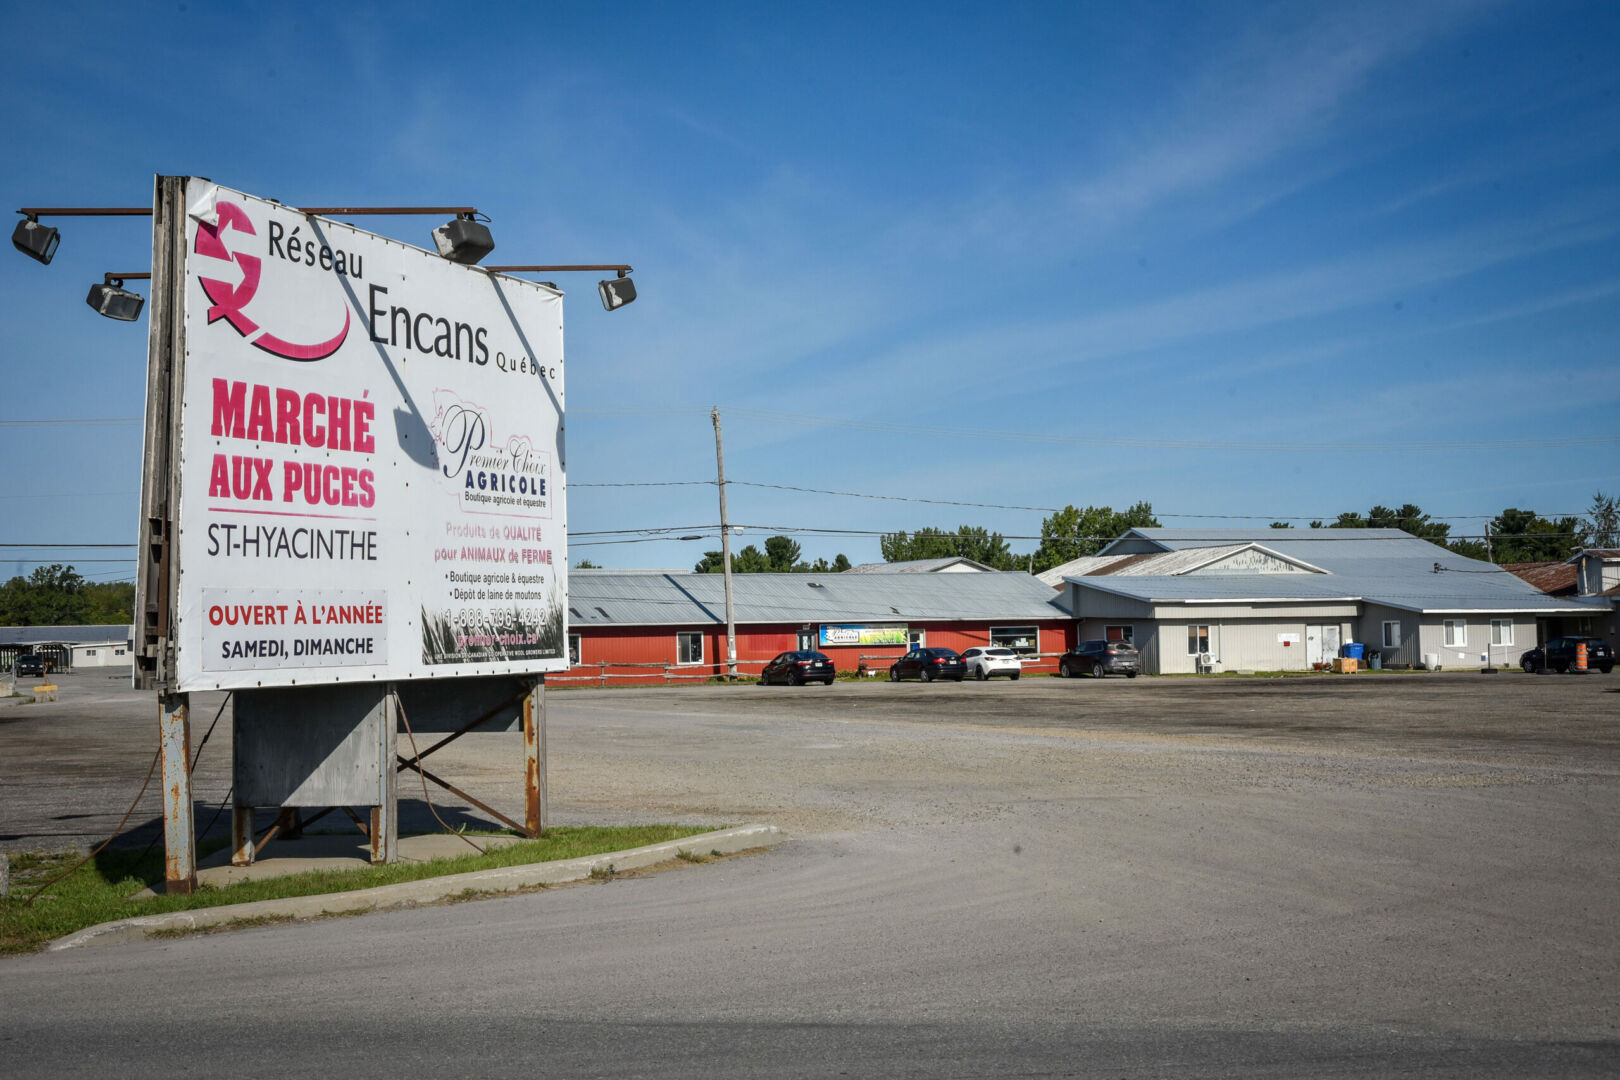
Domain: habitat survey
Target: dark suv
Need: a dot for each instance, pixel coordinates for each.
(30, 664)
(1559, 654)
(1100, 658)
(928, 665)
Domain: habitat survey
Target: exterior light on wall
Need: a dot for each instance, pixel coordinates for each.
(110, 298)
(464, 240)
(34, 240)
(617, 292)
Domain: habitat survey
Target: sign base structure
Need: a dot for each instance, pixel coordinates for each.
(325, 748)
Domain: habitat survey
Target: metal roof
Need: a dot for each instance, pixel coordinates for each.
(1085, 564)
(614, 598)
(1381, 566)
(917, 566)
(101, 634)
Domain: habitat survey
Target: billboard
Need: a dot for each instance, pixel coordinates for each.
(864, 635)
(370, 457)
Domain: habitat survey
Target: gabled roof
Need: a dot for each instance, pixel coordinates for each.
(1085, 564)
(1381, 566)
(612, 598)
(920, 566)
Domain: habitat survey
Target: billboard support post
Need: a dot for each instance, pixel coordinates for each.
(534, 760)
(179, 839)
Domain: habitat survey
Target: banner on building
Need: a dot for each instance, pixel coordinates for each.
(370, 458)
(864, 635)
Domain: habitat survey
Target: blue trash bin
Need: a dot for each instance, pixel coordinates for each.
(1354, 650)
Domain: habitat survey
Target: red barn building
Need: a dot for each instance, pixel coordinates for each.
(658, 625)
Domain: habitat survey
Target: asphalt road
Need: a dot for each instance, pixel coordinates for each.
(1361, 876)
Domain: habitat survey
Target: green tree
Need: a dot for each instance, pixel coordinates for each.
(110, 602)
(967, 542)
(782, 554)
(586, 564)
(50, 596)
(1281, 525)
(1409, 518)
(1603, 522)
(1524, 536)
(841, 563)
(1073, 533)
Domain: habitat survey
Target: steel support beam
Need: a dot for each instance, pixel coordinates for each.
(534, 761)
(179, 827)
(242, 847)
(384, 834)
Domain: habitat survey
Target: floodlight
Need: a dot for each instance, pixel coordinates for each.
(34, 240)
(616, 292)
(463, 240)
(111, 299)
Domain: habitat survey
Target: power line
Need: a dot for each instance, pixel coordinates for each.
(74, 420)
(1114, 442)
(1004, 506)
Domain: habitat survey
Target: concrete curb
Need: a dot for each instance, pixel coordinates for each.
(426, 891)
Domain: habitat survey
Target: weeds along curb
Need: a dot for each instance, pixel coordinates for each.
(426, 891)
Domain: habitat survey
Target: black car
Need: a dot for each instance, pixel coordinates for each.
(1559, 654)
(1100, 658)
(30, 664)
(928, 665)
(798, 668)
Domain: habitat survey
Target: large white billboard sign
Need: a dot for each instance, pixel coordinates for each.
(371, 453)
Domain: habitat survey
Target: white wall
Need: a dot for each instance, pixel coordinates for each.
(1431, 638)
(102, 655)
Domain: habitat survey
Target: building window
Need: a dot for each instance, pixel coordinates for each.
(1501, 631)
(689, 647)
(1392, 635)
(573, 649)
(1127, 634)
(89, 652)
(1456, 633)
(1020, 639)
(1197, 639)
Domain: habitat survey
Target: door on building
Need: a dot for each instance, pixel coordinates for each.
(916, 639)
(1321, 643)
(809, 641)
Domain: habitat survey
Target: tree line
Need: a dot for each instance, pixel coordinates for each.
(1513, 536)
(57, 595)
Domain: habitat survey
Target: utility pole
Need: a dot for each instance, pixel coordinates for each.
(725, 549)
(1488, 556)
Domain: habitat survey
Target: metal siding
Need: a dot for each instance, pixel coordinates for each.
(616, 652)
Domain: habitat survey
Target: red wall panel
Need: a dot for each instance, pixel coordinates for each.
(615, 655)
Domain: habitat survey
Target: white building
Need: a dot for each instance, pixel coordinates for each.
(1288, 599)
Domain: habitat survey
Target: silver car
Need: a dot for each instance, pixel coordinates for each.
(984, 663)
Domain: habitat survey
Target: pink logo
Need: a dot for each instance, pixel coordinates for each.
(229, 302)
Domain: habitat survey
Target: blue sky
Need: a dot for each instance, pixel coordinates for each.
(1233, 259)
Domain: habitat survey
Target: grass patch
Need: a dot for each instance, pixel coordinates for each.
(104, 889)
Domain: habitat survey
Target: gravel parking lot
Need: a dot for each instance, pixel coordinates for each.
(814, 758)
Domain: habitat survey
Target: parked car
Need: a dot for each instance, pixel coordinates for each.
(986, 663)
(1559, 654)
(928, 665)
(798, 668)
(1100, 658)
(30, 664)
